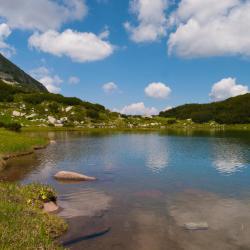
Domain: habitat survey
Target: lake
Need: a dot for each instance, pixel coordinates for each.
(150, 187)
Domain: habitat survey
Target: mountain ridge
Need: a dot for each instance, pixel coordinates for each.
(14, 75)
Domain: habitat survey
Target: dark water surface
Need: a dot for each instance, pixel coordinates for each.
(149, 186)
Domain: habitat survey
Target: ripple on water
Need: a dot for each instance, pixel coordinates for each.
(83, 202)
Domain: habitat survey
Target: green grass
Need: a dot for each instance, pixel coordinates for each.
(23, 224)
(13, 142)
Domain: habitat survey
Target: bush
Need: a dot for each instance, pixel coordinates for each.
(93, 114)
(13, 126)
(53, 108)
(171, 121)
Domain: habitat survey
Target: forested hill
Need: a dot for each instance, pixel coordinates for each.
(231, 111)
(11, 74)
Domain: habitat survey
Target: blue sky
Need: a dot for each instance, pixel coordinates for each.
(134, 56)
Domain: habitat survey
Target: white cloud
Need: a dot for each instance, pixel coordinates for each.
(51, 82)
(168, 108)
(138, 109)
(227, 88)
(157, 90)
(41, 14)
(5, 48)
(105, 33)
(73, 80)
(151, 18)
(110, 87)
(210, 28)
(80, 47)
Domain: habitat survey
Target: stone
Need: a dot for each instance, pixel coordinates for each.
(68, 108)
(30, 116)
(50, 207)
(51, 119)
(68, 175)
(196, 226)
(17, 113)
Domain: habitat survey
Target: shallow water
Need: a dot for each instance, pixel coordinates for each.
(149, 186)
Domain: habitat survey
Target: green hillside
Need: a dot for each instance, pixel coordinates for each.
(235, 110)
(13, 75)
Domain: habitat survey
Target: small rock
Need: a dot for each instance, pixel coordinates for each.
(196, 226)
(17, 113)
(52, 142)
(68, 108)
(51, 119)
(30, 116)
(67, 175)
(50, 207)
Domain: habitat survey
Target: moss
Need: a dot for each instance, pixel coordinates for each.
(23, 224)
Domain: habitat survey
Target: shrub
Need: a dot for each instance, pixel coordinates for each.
(93, 114)
(13, 126)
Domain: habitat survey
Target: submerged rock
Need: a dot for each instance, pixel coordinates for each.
(50, 207)
(68, 175)
(196, 226)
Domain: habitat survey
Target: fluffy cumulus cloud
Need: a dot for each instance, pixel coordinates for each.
(79, 46)
(50, 81)
(210, 28)
(110, 87)
(157, 90)
(151, 18)
(138, 109)
(226, 88)
(73, 80)
(5, 48)
(41, 14)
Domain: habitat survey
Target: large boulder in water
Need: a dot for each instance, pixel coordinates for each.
(73, 176)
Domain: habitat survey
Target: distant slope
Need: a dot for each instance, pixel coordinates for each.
(10, 73)
(231, 111)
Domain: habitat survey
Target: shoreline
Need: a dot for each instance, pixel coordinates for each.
(17, 144)
(196, 126)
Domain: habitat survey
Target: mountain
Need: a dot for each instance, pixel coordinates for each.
(231, 111)
(13, 75)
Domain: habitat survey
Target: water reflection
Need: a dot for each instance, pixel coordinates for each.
(157, 154)
(229, 157)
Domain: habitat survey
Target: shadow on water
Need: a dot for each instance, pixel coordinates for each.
(85, 237)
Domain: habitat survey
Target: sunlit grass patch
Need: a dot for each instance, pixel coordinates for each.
(13, 142)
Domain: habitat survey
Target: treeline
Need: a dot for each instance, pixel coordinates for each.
(235, 110)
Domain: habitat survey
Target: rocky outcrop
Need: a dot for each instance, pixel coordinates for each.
(72, 176)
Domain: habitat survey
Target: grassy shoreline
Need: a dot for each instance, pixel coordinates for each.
(23, 223)
(13, 144)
